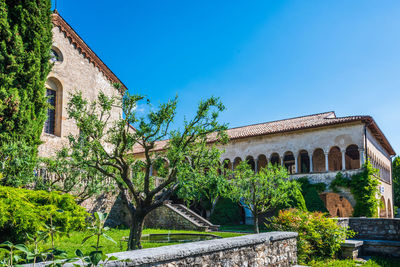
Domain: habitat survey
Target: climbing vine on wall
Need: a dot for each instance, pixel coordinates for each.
(364, 187)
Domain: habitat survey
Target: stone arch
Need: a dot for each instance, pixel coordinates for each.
(337, 205)
(289, 162)
(54, 92)
(389, 209)
(275, 159)
(352, 157)
(382, 208)
(335, 159)
(236, 162)
(319, 160)
(261, 162)
(250, 161)
(303, 162)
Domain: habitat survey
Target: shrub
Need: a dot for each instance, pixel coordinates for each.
(26, 211)
(226, 212)
(311, 194)
(319, 236)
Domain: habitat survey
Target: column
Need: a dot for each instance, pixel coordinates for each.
(296, 165)
(311, 163)
(343, 159)
(362, 156)
(256, 165)
(281, 160)
(326, 161)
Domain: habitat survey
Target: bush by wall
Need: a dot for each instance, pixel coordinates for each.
(319, 237)
(26, 211)
(364, 188)
(311, 194)
(226, 212)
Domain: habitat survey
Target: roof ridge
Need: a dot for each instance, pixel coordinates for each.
(298, 117)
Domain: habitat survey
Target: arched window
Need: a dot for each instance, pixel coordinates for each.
(261, 162)
(275, 160)
(352, 157)
(389, 208)
(304, 162)
(236, 162)
(227, 168)
(251, 162)
(382, 208)
(289, 163)
(335, 159)
(52, 124)
(319, 160)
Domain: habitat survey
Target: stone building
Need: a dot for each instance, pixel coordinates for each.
(318, 147)
(76, 67)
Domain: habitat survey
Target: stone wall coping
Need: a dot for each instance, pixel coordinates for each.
(352, 243)
(365, 218)
(384, 243)
(175, 252)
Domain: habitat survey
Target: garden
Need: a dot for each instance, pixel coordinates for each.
(41, 217)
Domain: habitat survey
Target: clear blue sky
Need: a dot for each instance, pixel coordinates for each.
(267, 60)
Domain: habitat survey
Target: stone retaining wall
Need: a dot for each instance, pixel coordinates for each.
(266, 249)
(165, 218)
(373, 228)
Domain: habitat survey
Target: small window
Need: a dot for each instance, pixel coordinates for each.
(55, 55)
(50, 124)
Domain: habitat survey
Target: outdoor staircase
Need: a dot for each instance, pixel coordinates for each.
(193, 217)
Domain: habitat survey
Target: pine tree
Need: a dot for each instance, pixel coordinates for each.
(25, 43)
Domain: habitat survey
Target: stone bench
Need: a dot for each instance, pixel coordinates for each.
(351, 249)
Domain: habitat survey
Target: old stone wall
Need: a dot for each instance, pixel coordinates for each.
(267, 249)
(75, 72)
(373, 228)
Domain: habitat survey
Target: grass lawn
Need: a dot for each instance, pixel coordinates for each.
(373, 262)
(242, 228)
(73, 242)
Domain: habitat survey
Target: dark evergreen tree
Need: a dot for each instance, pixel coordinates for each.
(25, 43)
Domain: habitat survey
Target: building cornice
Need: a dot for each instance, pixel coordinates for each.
(86, 51)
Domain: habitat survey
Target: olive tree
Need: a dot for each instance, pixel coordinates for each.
(129, 155)
(260, 192)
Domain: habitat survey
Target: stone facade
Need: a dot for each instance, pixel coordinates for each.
(267, 249)
(373, 228)
(326, 151)
(73, 71)
(380, 237)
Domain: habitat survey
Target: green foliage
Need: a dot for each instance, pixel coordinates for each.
(339, 181)
(96, 230)
(319, 236)
(187, 151)
(364, 187)
(396, 180)
(26, 211)
(25, 42)
(226, 212)
(71, 176)
(311, 194)
(13, 253)
(16, 164)
(259, 192)
(295, 198)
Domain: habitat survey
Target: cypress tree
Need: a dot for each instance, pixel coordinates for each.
(25, 43)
